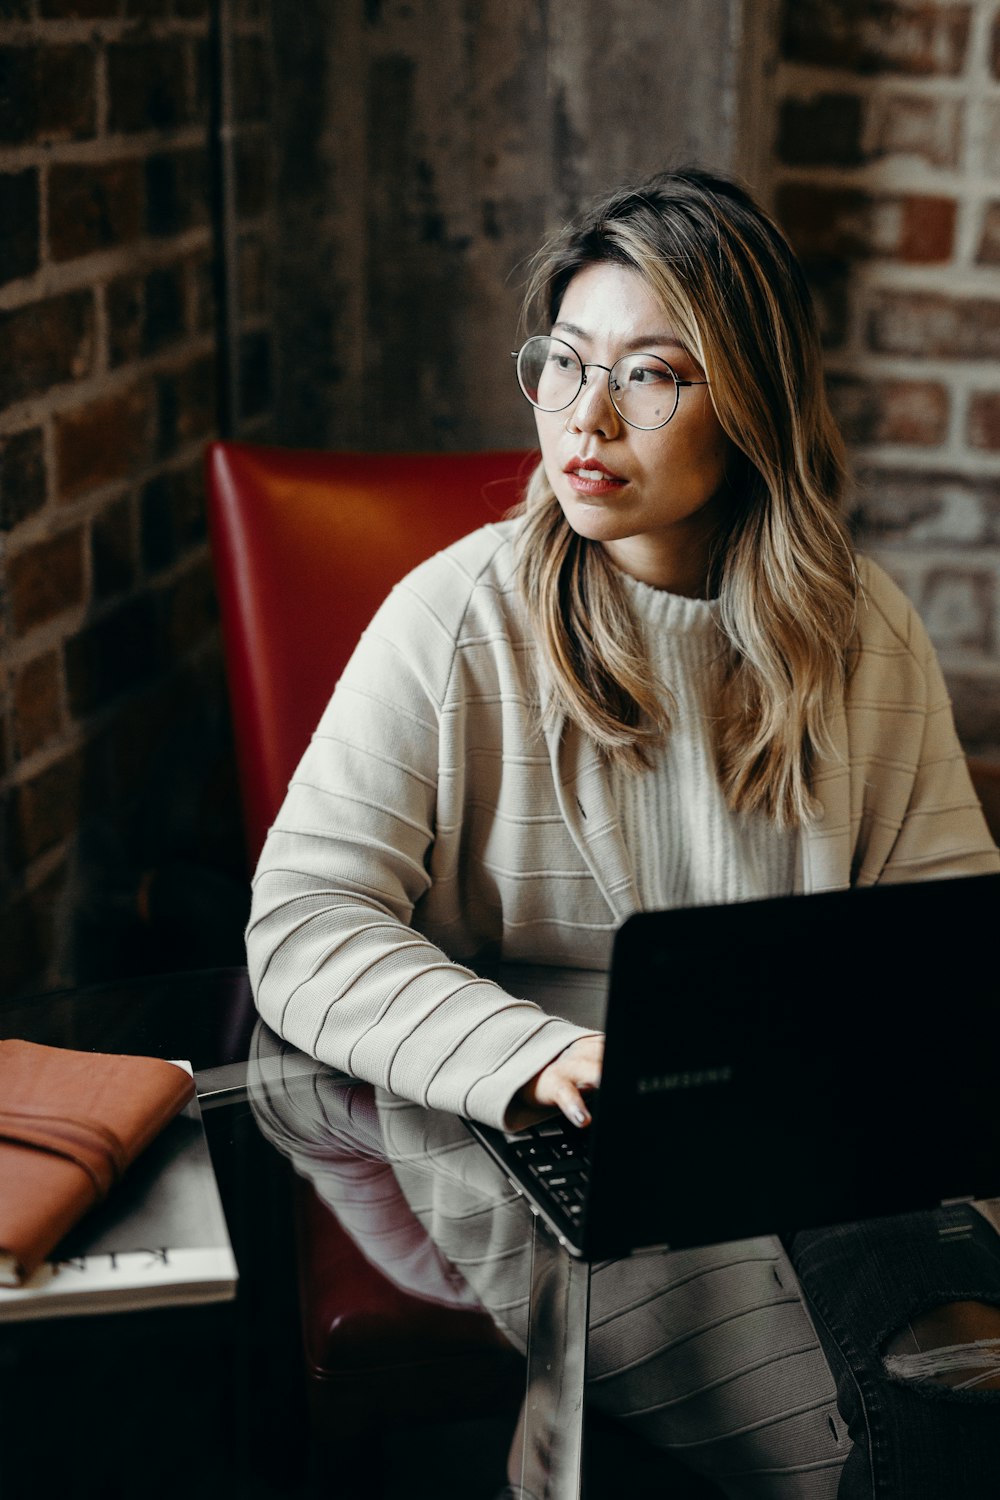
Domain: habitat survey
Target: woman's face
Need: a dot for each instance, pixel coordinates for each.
(654, 499)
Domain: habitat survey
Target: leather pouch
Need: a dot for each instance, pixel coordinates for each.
(70, 1124)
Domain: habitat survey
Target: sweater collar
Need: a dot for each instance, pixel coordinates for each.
(583, 788)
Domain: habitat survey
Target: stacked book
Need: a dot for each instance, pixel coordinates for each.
(108, 1199)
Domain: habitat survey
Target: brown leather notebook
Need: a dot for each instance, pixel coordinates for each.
(70, 1123)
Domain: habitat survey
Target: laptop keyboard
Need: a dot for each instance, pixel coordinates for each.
(557, 1156)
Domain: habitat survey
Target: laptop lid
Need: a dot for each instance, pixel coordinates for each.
(777, 1065)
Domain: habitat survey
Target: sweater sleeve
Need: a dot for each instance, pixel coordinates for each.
(926, 821)
(336, 965)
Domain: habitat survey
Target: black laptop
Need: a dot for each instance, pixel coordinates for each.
(779, 1065)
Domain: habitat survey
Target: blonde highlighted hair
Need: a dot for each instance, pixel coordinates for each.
(782, 564)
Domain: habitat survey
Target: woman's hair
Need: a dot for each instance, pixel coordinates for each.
(782, 565)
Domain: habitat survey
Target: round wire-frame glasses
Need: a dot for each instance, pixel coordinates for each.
(644, 388)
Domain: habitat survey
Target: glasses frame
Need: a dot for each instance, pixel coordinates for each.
(679, 384)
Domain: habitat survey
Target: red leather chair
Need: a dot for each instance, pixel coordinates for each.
(306, 546)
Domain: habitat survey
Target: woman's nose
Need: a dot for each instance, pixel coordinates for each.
(593, 409)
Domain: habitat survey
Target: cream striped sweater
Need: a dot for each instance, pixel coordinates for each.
(687, 847)
(431, 824)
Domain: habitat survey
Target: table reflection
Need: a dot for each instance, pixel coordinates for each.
(677, 1341)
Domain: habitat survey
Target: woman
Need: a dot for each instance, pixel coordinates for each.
(667, 681)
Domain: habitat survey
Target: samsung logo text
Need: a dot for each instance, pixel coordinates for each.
(694, 1078)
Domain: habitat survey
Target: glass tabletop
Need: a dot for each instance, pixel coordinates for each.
(357, 1358)
(403, 1326)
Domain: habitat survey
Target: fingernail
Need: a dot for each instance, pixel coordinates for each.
(578, 1116)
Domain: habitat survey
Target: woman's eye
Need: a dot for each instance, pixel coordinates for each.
(561, 362)
(649, 375)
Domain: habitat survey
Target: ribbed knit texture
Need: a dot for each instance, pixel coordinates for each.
(688, 848)
(431, 822)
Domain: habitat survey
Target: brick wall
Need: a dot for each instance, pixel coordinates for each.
(887, 164)
(113, 739)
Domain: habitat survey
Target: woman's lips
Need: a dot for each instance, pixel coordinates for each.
(590, 477)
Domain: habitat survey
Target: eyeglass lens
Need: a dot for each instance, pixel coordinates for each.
(643, 387)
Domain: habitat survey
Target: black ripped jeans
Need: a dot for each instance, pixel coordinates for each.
(863, 1282)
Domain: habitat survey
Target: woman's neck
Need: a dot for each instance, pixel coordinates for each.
(675, 570)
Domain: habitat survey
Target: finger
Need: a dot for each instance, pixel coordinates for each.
(570, 1101)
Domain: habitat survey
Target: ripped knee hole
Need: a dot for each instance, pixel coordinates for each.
(956, 1345)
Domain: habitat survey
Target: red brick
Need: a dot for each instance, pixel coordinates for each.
(22, 476)
(173, 517)
(935, 325)
(177, 191)
(126, 304)
(145, 313)
(94, 206)
(914, 125)
(45, 343)
(106, 440)
(186, 401)
(112, 545)
(924, 506)
(823, 221)
(823, 131)
(20, 249)
(984, 420)
(841, 222)
(878, 36)
(37, 703)
(46, 809)
(927, 231)
(891, 411)
(45, 579)
(147, 84)
(957, 606)
(46, 94)
(989, 244)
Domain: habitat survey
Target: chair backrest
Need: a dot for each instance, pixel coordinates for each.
(306, 546)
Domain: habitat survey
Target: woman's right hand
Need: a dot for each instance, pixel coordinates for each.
(566, 1080)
